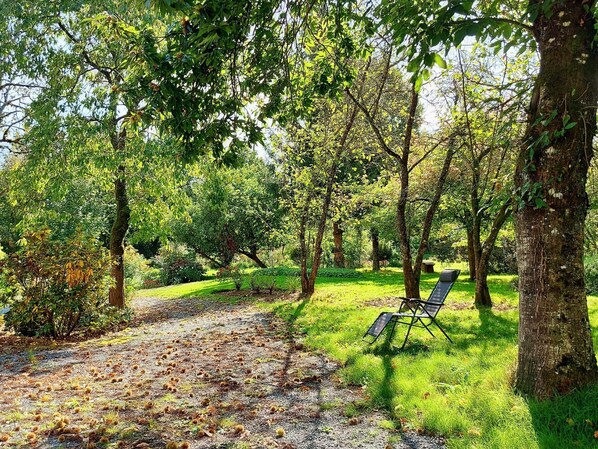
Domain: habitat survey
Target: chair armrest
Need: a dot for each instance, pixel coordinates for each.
(410, 303)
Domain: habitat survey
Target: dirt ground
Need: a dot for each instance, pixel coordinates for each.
(187, 374)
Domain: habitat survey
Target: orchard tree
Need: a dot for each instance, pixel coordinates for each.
(491, 91)
(310, 154)
(395, 130)
(233, 210)
(82, 124)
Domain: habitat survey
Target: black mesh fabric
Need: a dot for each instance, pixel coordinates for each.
(376, 329)
(441, 291)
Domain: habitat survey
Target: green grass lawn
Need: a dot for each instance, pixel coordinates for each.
(462, 390)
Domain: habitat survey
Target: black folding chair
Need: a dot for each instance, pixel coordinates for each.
(416, 312)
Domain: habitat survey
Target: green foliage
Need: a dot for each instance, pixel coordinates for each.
(232, 273)
(504, 256)
(423, 28)
(233, 211)
(138, 271)
(260, 283)
(54, 285)
(385, 251)
(197, 76)
(591, 275)
(105, 318)
(178, 265)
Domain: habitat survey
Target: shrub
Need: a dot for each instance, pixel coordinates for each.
(138, 272)
(385, 251)
(259, 283)
(178, 265)
(53, 284)
(231, 272)
(591, 276)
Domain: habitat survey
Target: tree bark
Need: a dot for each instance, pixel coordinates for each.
(556, 353)
(253, 256)
(117, 239)
(339, 256)
(482, 293)
(470, 254)
(375, 249)
(410, 280)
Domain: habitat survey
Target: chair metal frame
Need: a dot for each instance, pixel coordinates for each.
(415, 312)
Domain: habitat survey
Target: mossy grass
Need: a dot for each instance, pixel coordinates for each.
(462, 391)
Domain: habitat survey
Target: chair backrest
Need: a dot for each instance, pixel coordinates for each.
(441, 291)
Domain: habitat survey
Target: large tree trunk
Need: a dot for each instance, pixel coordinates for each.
(375, 249)
(556, 353)
(339, 256)
(117, 240)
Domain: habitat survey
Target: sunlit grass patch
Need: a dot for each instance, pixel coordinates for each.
(462, 390)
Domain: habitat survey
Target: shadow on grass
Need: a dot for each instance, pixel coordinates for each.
(492, 327)
(567, 421)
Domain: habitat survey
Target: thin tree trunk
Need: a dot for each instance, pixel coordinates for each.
(339, 256)
(326, 206)
(482, 293)
(411, 271)
(470, 254)
(306, 288)
(409, 277)
(375, 249)
(117, 239)
(556, 353)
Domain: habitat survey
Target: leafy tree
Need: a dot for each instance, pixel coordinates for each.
(233, 211)
(81, 125)
(490, 94)
(311, 154)
(395, 136)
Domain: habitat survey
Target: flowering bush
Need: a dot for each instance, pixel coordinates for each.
(52, 284)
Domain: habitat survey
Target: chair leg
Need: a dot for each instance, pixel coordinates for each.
(427, 328)
(442, 330)
(407, 333)
(392, 330)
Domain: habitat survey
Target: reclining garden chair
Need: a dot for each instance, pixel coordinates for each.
(416, 312)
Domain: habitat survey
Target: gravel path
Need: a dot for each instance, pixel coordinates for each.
(190, 374)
